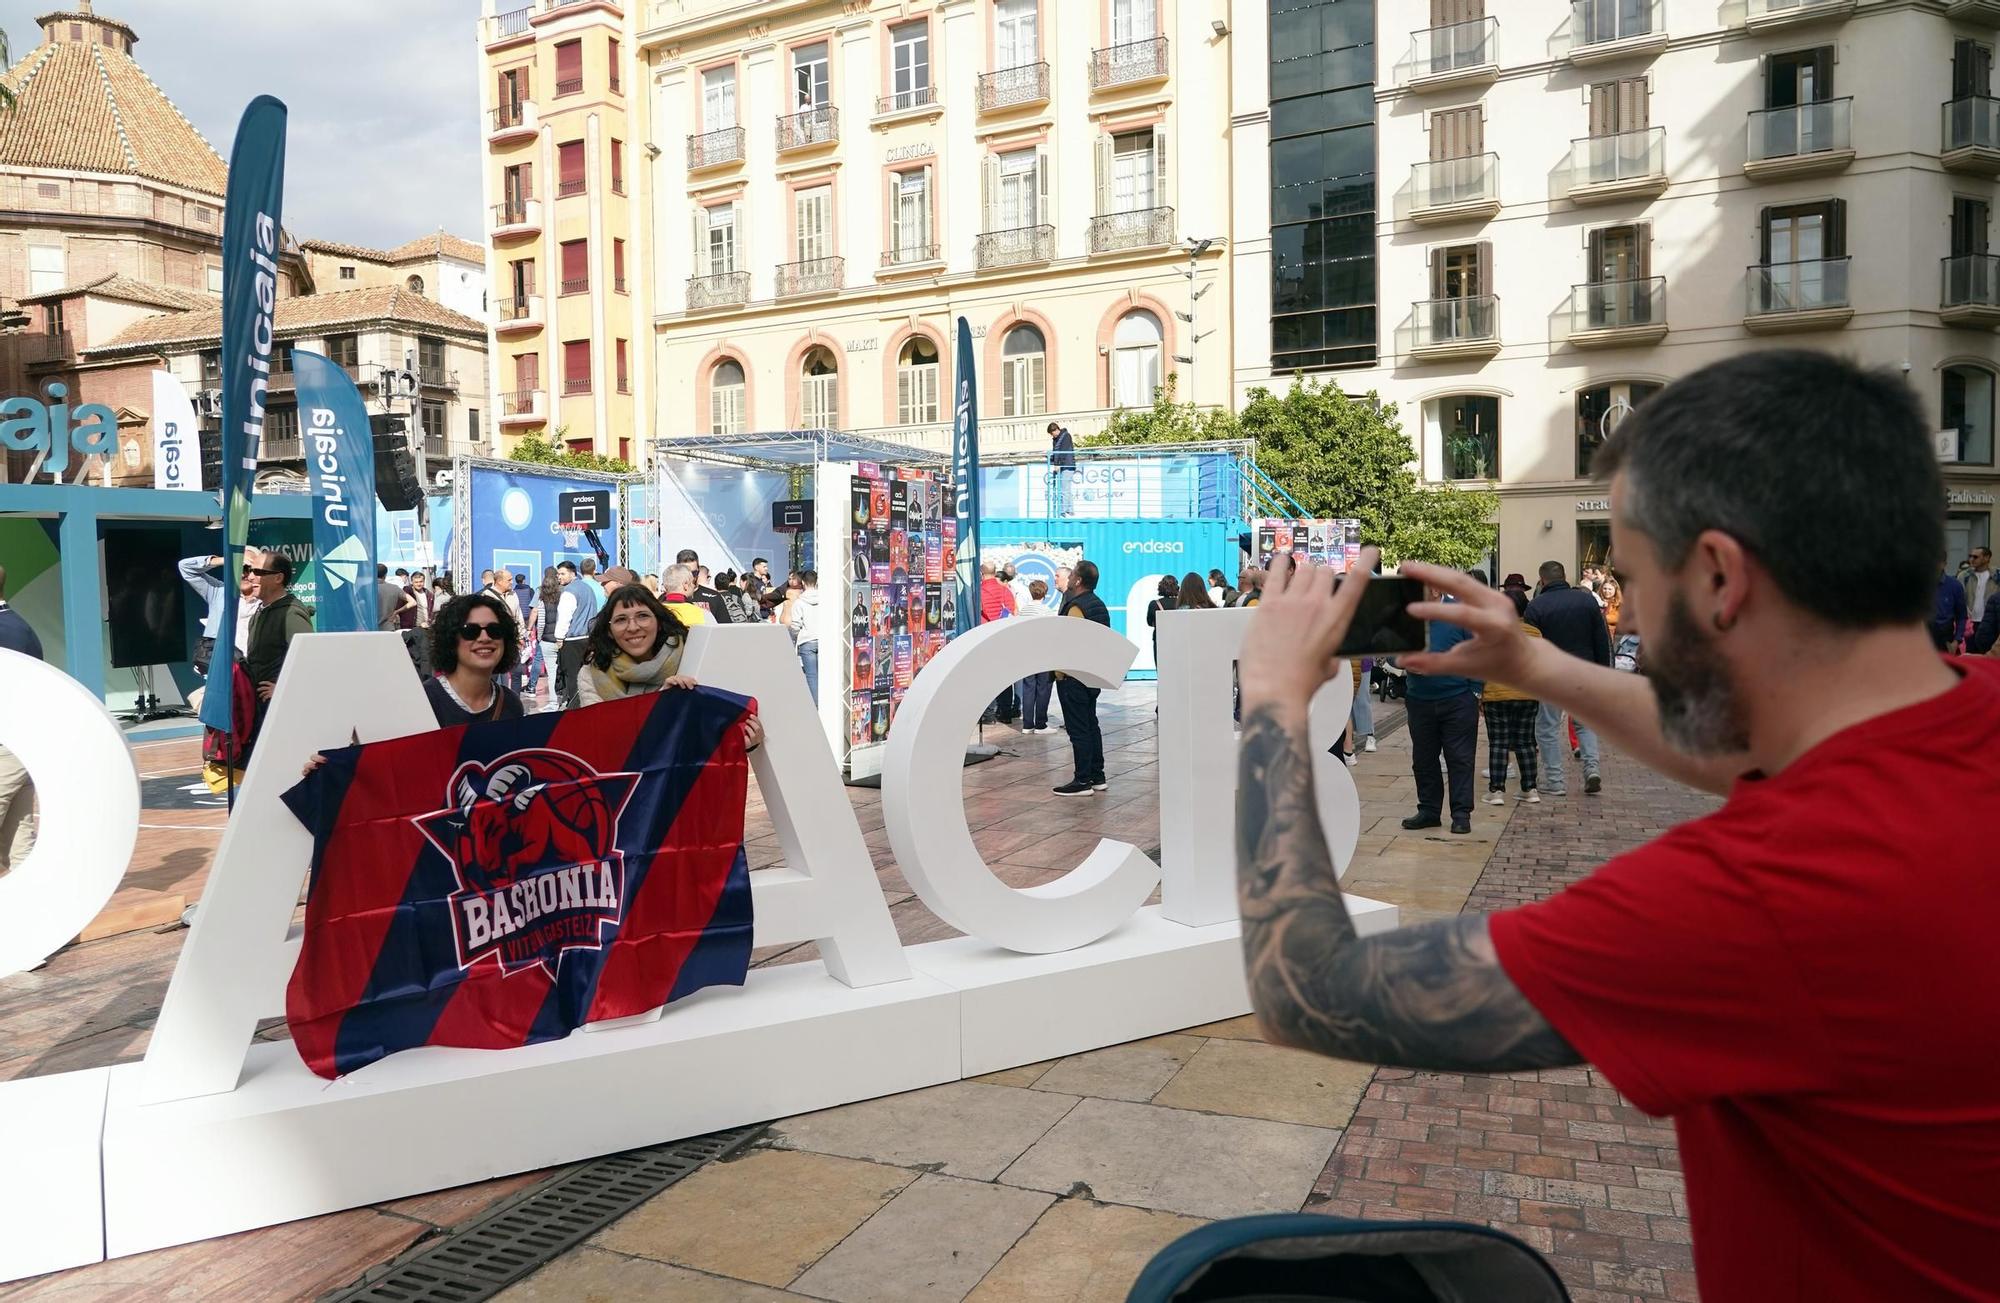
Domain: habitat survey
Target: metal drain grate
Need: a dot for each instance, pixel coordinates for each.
(483, 1257)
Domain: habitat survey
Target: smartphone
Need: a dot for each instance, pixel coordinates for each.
(1383, 625)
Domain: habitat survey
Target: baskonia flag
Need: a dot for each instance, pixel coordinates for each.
(497, 884)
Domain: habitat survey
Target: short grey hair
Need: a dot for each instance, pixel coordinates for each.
(677, 578)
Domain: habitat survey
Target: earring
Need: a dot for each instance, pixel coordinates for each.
(1722, 625)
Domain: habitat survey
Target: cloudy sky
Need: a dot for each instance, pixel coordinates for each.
(384, 97)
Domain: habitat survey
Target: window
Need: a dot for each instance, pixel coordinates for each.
(1798, 77)
(52, 317)
(414, 284)
(528, 372)
(617, 167)
(1967, 406)
(1024, 372)
(1462, 436)
(346, 271)
(910, 216)
(1970, 221)
(521, 279)
(819, 391)
(1617, 107)
(910, 65)
(718, 98)
(569, 168)
(811, 87)
(213, 275)
(1600, 410)
(344, 350)
(1618, 267)
(1804, 254)
(569, 68)
(432, 416)
(715, 238)
(211, 369)
(472, 425)
(622, 367)
(1016, 41)
(575, 266)
(1971, 69)
(1462, 271)
(1131, 20)
(726, 398)
(281, 426)
(1129, 169)
(511, 96)
(918, 382)
(1018, 191)
(611, 53)
(618, 265)
(281, 357)
(47, 268)
(1135, 359)
(576, 366)
(812, 211)
(430, 359)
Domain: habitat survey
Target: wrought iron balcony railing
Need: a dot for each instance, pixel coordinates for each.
(808, 127)
(920, 97)
(1007, 87)
(721, 289)
(1140, 229)
(810, 276)
(1133, 61)
(1023, 244)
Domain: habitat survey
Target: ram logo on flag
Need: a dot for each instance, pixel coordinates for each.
(497, 884)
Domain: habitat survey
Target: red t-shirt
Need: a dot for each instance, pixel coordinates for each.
(1808, 982)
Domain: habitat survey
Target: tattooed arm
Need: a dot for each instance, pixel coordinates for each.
(1429, 996)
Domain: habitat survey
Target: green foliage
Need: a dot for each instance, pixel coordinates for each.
(536, 450)
(1347, 456)
(1166, 421)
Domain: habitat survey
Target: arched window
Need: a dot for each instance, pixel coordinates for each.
(415, 284)
(1024, 372)
(918, 382)
(1135, 359)
(1462, 436)
(1599, 410)
(819, 391)
(726, 397)
(1965, 404)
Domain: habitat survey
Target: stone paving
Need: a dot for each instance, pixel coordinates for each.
(1049, 1181)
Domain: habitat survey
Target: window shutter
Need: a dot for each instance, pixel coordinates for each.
(895, 212)
(1043, 215)
(1836, 228)
(1160, 167)
(1105, 164)
(1604, 108)
(1485, 248)
(1632, 104)
(1642, 240)
(1594, 256)
(1436, 264)
(989, 191)
(700, 218)
(930, 222)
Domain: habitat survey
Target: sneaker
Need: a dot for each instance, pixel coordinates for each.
(1414, 822)
(1555, 791)
(1496, 798)
(1353, 762)
(1593, 784)
(1368, 743)
(1576, 753)
(1461, 826)
(1078, 788)
(1486, 773)
(1099, 785)
(1532, 797)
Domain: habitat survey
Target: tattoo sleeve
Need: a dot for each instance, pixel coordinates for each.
(1429, 996)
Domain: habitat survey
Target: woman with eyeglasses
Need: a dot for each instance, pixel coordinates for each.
(635, 647)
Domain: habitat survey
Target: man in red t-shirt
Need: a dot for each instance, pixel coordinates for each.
(1806, 980)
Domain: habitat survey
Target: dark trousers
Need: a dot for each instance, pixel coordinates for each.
(1079, 708)
(1450, 727)
(1510, 728)
(1034, 692)
(569, 663)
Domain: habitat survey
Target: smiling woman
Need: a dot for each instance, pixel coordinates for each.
(473, 639)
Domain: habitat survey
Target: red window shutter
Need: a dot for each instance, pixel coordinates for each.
(575, 266)
(624, 379)
(569, 166)
(618, 166)
(528, 371)
(569, 66)
(618, 261)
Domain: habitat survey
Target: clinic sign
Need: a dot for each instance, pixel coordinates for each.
(54, 429)
(218, 1131)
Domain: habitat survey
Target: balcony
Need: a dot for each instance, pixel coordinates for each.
(1013, 88)
(569, 185)
(1631, 164)
(1142, 228)
(575, 385)
(808, 128)
(1130, 64)
(575, 285)
(726, 289)
(1763, 15)
(1982, 13)
(1618, 314)
(912, 257)
(437, 377)
(517, 315)
(811, 276)
(569, 86)
(717, 148)
(1972, 136)
(1604, 30)
(1456, 328)
(1461, 54)
(1971, 294)
(1786, 296)
(512, 123)
(1800, 140)
(1019, 247)
(524, 407)
(507, 26)
(911, 103)
(517, 217)
(1455, 189)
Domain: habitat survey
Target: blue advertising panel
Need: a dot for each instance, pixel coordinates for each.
(396, 536)
(521, 519)
(1200, 486)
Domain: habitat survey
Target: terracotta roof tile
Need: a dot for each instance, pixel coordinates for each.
(128, 290)
(305, 314)
(442, 244)
(334, 248)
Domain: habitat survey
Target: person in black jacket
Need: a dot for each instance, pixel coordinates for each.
(1571, 619)
(1986, 633)
(1079, 701)
(1062, 465)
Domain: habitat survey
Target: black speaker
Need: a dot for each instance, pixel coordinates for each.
(211, 459)
(396, 483)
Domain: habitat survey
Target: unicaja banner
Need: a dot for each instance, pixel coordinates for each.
(965, 480)
(176, 443)
(340, 463)
(250, 232)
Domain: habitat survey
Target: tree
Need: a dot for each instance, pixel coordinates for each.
(536, 450)
(1166, 421)
(1347, 456)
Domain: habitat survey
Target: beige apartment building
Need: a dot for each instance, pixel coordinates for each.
(822, 189)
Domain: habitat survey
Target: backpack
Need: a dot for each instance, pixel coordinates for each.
(223, 754)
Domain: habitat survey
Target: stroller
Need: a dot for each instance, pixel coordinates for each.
(1304, 1258)
(1387, 681)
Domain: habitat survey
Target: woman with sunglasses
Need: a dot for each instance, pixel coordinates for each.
(474, 639)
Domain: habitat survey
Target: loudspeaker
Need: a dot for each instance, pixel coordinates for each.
(396, 481)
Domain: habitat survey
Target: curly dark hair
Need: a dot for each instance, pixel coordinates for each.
(444, 632)
(604, 648)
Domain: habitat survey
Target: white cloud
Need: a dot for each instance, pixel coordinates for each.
(384, 140)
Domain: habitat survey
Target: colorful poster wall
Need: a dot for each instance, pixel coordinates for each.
(1335, 543)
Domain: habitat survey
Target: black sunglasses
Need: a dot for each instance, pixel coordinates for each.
(253, 570)
(470, 632)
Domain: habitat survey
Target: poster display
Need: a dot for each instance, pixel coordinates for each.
(1335, 543)
(898, 553)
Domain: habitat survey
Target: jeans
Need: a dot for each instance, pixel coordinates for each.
(1034, 692)
(809, 662)
(1362, 714)
(570, 655)
(1065, 490)
(1079, 708)
(1555, 747)
(1450, 727)
(17, 812)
